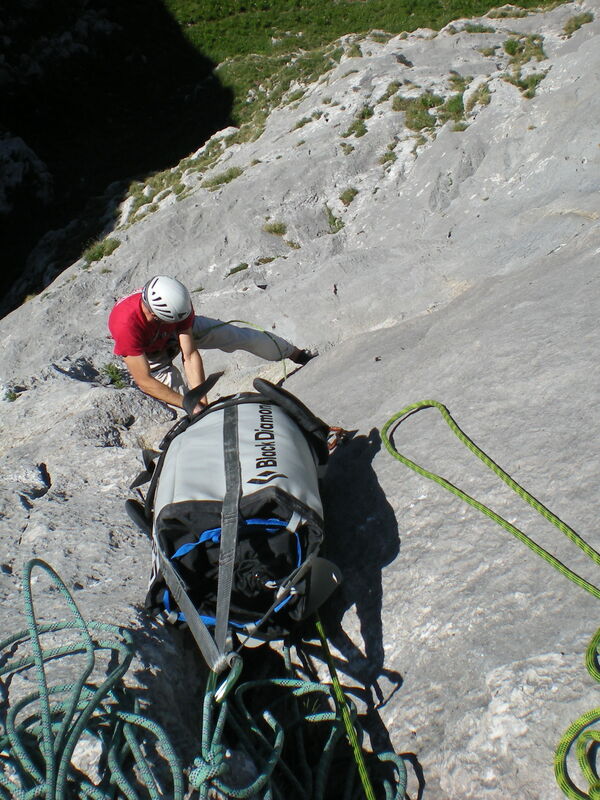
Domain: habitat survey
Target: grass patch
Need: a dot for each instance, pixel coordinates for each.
(335, 223)
(10, 395)
(265, 259)
(240, 268)
(388, 157)
(472, 27)
(459, 82)
(99, 250)
(576, 22)
(222, 178)
(348, 195)
(528, 84)
(453, 108)
(114, 374)
(482, 97)
(301, 123)
(292, 245)
(509, 12)
(276, 228)
(524, 48)
(353, 51)
(389, 92)
(416, 110)
(357, 129)
(346, 148)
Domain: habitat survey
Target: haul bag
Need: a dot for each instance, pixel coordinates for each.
(279, 455)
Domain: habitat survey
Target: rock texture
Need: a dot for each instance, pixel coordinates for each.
(465, 269)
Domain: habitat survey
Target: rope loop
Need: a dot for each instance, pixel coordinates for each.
(205, 770)
(580, 733)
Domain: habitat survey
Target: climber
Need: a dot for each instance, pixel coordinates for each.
(152, 325)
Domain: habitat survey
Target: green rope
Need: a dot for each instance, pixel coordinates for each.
(580, 732)
(523, 493)
(342, 702)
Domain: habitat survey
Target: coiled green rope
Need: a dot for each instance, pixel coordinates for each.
(580, 732)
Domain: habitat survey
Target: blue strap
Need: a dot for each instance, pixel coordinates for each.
(214, 534)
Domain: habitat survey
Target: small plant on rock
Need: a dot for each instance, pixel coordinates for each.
(276, 228)
(335, 223)
(576, 22)
(348, 195)
(115, 375)
(98, 250)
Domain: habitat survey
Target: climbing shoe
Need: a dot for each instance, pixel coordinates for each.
(302, 356)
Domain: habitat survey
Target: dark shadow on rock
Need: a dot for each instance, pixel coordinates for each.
(94, 92)
(361, 536)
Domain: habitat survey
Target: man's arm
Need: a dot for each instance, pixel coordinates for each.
(192, 360)
(192, 364)
(139, 369)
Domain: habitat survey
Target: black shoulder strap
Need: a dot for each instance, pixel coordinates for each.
(191, 398)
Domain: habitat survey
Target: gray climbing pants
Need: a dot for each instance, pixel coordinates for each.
(214, 334)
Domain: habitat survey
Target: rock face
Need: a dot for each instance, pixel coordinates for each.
(457, 262)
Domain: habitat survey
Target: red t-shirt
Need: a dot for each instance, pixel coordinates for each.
(134, 335)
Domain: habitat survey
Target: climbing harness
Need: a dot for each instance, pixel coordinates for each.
(580, 732)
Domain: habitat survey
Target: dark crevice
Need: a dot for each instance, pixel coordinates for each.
(94, 93)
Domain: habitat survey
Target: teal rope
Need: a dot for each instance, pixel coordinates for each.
(580, 732)
(40, 730)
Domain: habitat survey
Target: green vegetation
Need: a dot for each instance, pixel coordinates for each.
(222, 178)
(348, 195)
(99, 250)
(276, 228)
(354, 51)
(528, 84)
(389, 92)
(302, 122)
(452, 108)
(388, 157)
(576, 22)
(10, 395)
(240, 268)
(263, 46)
(346, 148)
(459, 82)
(115, 375)
(416, 110)
(471, 27)
(481, 96)
(293, 245)
(524, 49)
(335, 223)
(357, 128)
(507, 12)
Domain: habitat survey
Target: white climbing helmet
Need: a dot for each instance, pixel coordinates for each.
(167, 298)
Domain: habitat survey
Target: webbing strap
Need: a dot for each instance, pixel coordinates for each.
(199, 630)
(229, 522)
